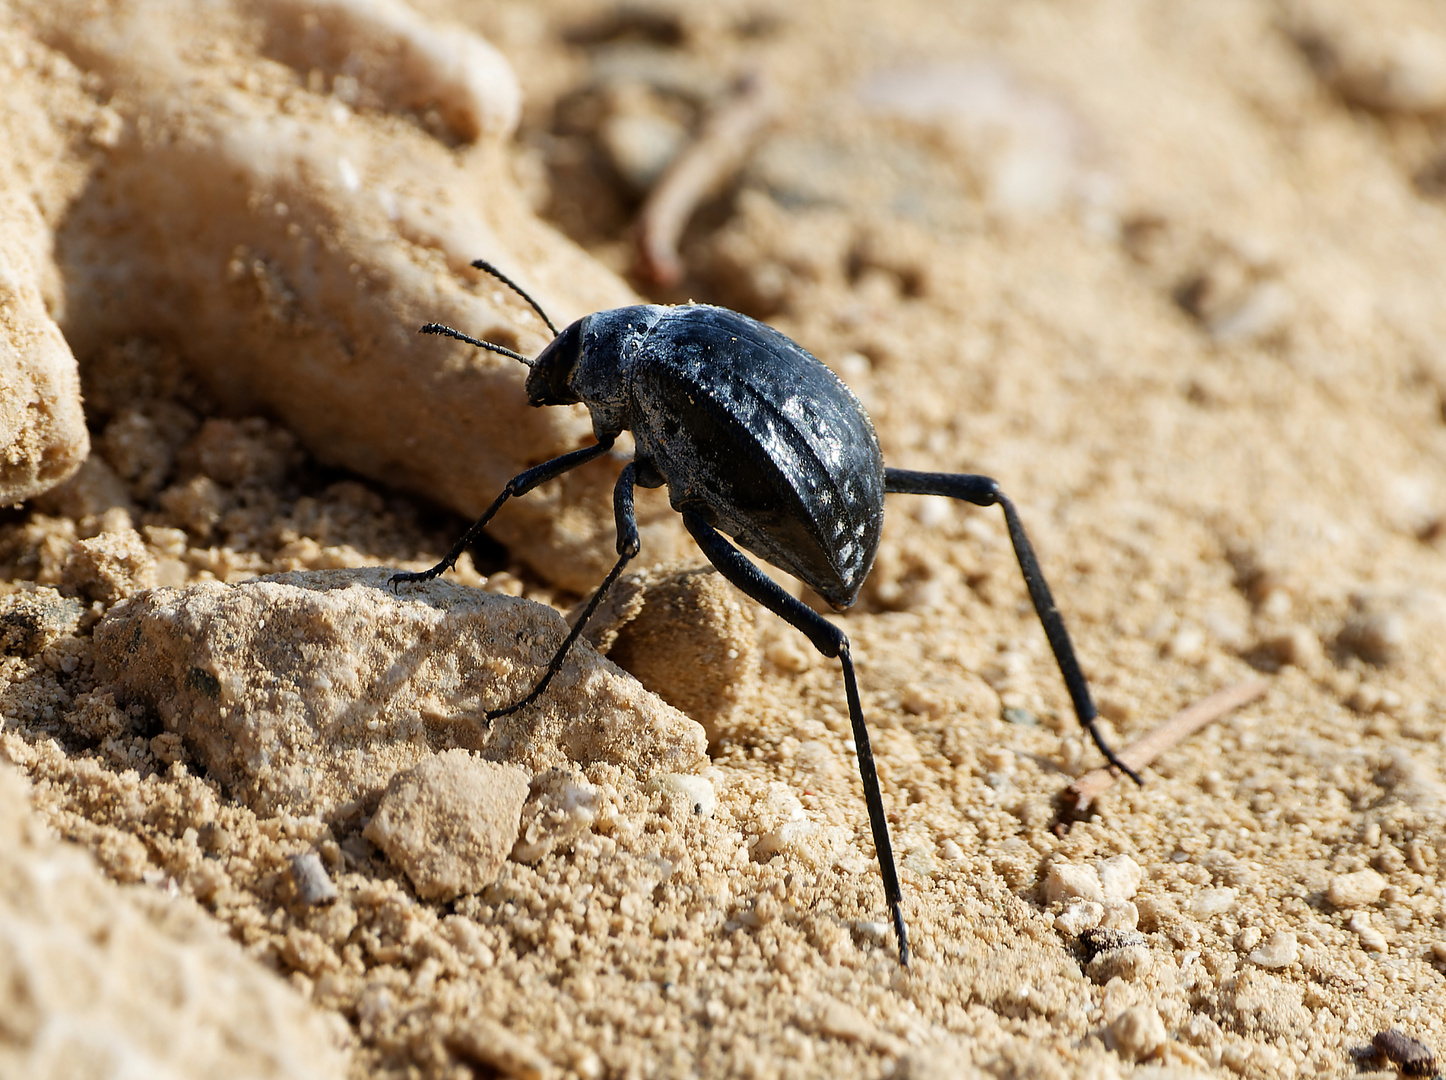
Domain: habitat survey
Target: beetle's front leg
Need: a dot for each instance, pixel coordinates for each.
(982, 491)
(520, 484)
(628, 546)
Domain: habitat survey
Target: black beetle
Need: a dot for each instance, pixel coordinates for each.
(755, 437)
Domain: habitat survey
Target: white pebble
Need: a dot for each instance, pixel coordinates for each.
(1078, 917)
(1120, 877)
(1071, 881)
(1360, 889)
(1211, 902)
(1137, 1033)
(1372, 940)
(696, 789)
(1120, 915)
(1278, 951)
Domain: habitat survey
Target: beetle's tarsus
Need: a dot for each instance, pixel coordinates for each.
(627, 526)
(901, 933)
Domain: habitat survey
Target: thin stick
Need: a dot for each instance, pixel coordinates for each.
(718, 152)
(1079, 795)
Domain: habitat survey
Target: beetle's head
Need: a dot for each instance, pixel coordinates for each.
(550, 382)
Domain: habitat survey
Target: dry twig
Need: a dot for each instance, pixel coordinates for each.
(1079, 795)
(698, 172)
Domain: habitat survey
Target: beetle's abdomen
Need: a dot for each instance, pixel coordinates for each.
(755, 433)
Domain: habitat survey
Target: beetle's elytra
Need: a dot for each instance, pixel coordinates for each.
(756, 439)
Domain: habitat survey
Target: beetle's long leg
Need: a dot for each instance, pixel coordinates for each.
(982, 491)
(628, 546)
(520, 484)
(831, 641)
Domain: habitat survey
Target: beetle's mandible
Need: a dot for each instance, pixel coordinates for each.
(756, 439)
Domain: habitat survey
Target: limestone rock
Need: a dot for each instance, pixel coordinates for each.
(43, 437)
(688, 636)
(297, 247)
(99, 981)
(450, 822)
(308, 690)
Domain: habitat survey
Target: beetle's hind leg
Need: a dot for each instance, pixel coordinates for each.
(520, 484)
(628, 546)
(982, 491)
(831, 641)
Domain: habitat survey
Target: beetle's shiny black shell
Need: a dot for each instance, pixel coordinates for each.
(754, 433)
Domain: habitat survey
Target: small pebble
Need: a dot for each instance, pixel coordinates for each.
(1079, 916)
(1120, 915)
(1137, 1033)
(1211, 902)
(696, 789)
(1299, 646)
(450, 822)
(1128, 964)
(1187, 644)
(1359, 889)
(1120, 877)
(501, 1051)
(1071, 881)
(313, 885)
(1377, 638)
(1278, 951)
(1372, 940)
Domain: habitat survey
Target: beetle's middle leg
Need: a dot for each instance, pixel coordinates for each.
(831, 641)
(628, 546)
(520, 484)
(982, 491)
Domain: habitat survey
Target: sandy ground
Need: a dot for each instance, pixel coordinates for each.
(1172, 273)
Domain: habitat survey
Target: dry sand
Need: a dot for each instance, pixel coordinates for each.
(1172, 273)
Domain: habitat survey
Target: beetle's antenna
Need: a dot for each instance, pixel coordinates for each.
(447, 331)
(487, 268)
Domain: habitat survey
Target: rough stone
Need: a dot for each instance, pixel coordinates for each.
(688, 636)
(450, 822)
(296, 248)
(1359, 889)
(308, 690)
(99, 981)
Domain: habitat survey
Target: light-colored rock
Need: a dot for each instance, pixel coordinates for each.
(34, 618)
(109, 567)
(1359, 889)
(688, 636)
(561, 807)
(1371, 938)
(100, 981)
(697, 791)
(43, 438)
(1120, 877)
(1208, 903)
(1120, 915)
(1072, 881)
(1137, 1033)
(309, 878)
(1079, 916)
(450, 822)
(307, 690)
(297, 247)
(1277, 951)
(490, 1044)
